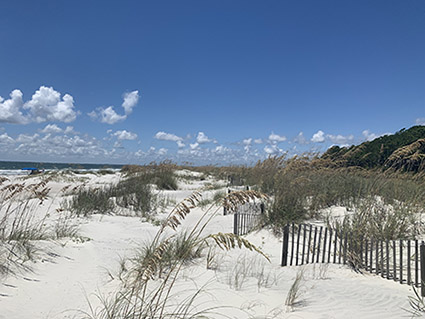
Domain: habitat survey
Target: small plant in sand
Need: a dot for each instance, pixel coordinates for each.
(294, 293)
(147, 289)
(417, 304)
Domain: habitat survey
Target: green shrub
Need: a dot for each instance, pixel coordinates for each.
(91, 201)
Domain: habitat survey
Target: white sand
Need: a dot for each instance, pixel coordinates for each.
(60, 285)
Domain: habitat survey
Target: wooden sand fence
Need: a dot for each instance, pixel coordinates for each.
(402, 261)
(247, 217)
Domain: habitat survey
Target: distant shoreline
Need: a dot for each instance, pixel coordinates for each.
(18, 165)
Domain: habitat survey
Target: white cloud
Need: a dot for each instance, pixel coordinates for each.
(180, 144)
(59, 146)
(247, 141)
(130, 101)
(24, 138)
(6, 139)
(46, 105)
(369, 136)
(69, 130)
(276, 138)
(420, 121)
(258, 141)
(10, 110)
(202, 138)
(110, 116)
(167, 137)
(194, 146)
(125, 135)
(300, 138)
(162, 151)
(272, 149)
(318, 137)
(51, 128)
(340, 139)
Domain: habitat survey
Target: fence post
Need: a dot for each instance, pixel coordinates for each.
(422, 269)
(235, 223)
(285, 245)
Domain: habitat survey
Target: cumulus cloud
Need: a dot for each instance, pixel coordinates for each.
(51, 128)
(202, 138)
(247, 141)
(318, 137)
(258, 141)
(162, 151)
(46, 105)
(6, 139)
(10, 110)
(368, 135)
(167, 137)
(58, 146)
(300, 138)
(420, 121)
(125, 135)
(69, 130)
(130, 101)
(110, 116)
(180, 144)
(276, 138)
(272, 149)
(194, 146)
(340, 139)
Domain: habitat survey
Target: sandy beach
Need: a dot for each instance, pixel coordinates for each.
(70, 276)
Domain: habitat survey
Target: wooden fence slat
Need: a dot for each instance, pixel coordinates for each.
(416, 264)
(235, 224)
(422, 256)
(377, 258)
(409, 275)
(292, 243)
(366, 243)
(335, 245)
(394, 262)
(324, 244)
(302, 257)
(330, 245)
(401, 261)
(298, 244)
(345, 247)
(314, 244)
(318, 244)
(382, 259)
(387, 250)
(285, 245)
(371, 256)
(309, 243)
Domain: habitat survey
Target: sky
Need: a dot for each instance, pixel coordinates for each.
(205, 82)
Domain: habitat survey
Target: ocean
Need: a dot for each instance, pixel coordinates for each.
(15, 168)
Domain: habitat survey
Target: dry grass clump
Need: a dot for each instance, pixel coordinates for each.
(294, 293)
(21, 228)
(133, 193)
(302, 186)
(147, 287)
(162, 174)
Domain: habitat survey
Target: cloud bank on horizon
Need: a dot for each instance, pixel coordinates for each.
(51, 140)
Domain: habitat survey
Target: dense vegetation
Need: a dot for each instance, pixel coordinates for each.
(404, 150)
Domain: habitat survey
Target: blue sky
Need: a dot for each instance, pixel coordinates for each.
(205, 81)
